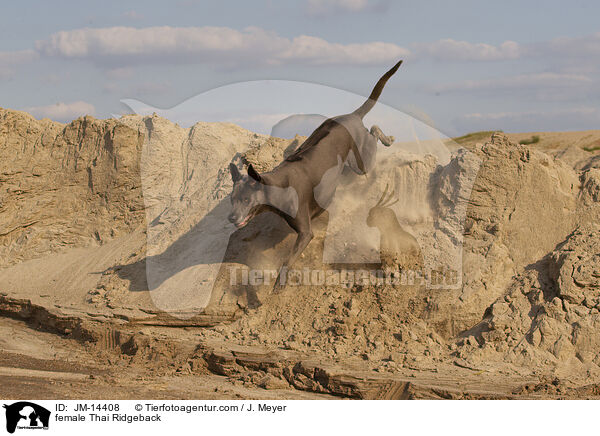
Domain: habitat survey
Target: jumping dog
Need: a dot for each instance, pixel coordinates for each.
(303, 185)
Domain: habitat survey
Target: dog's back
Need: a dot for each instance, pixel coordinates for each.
(339, 135)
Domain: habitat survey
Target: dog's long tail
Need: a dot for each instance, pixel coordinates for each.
(368, 105)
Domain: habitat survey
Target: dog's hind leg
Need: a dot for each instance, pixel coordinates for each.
(368, 150)
(377, 133)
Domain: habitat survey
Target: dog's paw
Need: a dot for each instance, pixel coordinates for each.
(387, 140)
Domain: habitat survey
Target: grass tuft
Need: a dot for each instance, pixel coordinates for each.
(533, 140)
(475, 136)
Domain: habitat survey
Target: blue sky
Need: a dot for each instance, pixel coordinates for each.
(469, 65)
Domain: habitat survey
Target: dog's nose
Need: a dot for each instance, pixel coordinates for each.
(232, 218)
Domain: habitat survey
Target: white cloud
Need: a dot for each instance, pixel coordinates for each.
(216, 45)
(62, 112)
(519, 82)
(331, 7)
(324, 7)
(450, 49)
(155, 41)
(317, 51)
(120, 47)
(578, 118)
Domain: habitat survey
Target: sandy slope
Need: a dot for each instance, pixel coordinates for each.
(86, 207)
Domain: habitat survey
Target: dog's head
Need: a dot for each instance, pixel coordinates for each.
(247, 197)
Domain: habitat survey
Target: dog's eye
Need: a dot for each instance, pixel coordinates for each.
(246, 200)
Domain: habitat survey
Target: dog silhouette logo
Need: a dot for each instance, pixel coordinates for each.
(26, 415)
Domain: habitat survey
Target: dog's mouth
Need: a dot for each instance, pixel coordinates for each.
(251, 214)
(243, 222)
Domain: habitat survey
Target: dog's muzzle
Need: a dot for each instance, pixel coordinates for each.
(236, 221)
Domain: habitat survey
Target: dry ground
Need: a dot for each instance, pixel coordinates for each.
(56, 342)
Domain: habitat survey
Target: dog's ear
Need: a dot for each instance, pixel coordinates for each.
(252, 173)
(235, 173)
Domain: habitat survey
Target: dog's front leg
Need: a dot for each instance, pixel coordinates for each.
(305, 235)
(301, 242)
